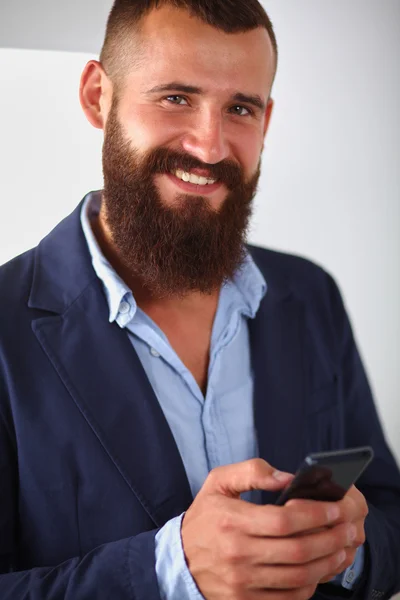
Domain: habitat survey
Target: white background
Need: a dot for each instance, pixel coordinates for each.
(331, 179)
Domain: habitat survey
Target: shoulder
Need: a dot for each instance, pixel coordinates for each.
(289, 275)
(298, 273)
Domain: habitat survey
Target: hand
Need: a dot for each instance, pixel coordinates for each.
(238, 550)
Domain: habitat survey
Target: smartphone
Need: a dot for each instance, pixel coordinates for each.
(327, 476)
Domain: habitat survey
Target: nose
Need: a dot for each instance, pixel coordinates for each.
(206, 140)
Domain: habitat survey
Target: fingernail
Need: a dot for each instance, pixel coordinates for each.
(351, 533)
(281, 475)
(333, 513)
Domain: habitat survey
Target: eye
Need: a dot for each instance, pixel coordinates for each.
(176, 100)
(237, 111)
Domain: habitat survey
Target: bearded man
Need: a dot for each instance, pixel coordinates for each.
(160, 380)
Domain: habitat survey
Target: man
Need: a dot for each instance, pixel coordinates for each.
(160, 380)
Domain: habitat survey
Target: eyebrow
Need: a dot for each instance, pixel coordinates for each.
(253, 99)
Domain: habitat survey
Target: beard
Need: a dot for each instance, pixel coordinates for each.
(186, 247)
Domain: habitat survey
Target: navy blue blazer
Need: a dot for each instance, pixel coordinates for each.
(89, 468)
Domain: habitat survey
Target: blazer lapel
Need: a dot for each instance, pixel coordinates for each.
(276, 336)
(102, 372)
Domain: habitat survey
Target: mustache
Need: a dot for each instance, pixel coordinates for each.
(164, 160)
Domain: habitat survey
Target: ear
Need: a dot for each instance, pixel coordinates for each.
(95, 93)
(268, 113)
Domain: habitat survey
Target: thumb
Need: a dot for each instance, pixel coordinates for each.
(253, 474)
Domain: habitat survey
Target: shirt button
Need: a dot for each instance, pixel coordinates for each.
(154, 352)
(124, 308)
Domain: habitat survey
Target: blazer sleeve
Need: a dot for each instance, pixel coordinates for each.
(380, 483)
(121, 570)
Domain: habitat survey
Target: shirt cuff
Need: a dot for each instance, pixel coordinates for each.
(175, 581)
(351, 575)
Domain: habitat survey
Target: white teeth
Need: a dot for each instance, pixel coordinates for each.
(195, 179)
(192, 178)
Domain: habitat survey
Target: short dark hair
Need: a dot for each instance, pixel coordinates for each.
(230, 16)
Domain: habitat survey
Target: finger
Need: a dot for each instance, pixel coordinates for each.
(351, 508)
(295, 576)
(288, 520)
(359, 538)
(354, 506)
(304, 593)
(254, 474)
(296, 550)
(350, 557)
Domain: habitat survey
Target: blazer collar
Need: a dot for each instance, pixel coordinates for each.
(62, 266)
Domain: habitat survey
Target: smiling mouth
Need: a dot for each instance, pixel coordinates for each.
(193, 178)
(199, 189)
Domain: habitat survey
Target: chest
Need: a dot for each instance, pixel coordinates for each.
(192, 344)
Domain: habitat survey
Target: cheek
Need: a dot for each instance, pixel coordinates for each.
(147, 129)
(248, 150)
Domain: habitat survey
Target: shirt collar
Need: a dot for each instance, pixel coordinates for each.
(251, 285)
(248, 280)
(115, 288)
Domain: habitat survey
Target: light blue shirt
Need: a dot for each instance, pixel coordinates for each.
(212, 430)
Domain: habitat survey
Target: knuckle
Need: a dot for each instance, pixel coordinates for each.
(256, 467)
(233, 552)
(214, 475)
(226, 522)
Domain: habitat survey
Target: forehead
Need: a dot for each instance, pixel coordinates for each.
(180, 47)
